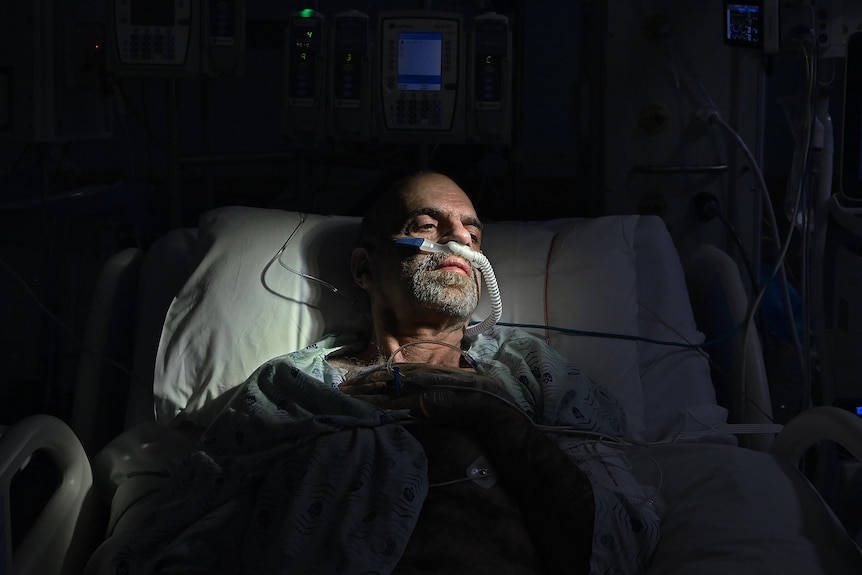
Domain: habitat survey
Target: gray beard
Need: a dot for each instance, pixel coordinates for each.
(448, 292)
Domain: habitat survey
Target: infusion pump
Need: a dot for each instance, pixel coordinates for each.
(177, 37)
(441, 79)
(421, 78)
(416, 77)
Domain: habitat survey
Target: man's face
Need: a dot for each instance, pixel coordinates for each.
(438, 210)
(440, 288)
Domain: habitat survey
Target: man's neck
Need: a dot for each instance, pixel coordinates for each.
(422, 346)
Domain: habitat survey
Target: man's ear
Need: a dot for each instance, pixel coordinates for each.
(360, 267)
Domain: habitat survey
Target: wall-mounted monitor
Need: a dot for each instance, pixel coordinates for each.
(420, 76)
(743, 23)
(177, 38)
(155, 37)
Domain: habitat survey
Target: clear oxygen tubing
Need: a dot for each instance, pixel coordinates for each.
(477, 259)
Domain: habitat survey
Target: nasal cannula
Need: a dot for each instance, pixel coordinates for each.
(479, 260)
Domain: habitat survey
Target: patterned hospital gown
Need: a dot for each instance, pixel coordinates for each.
(293, 465)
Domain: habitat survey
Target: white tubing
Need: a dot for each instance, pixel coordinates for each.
(480, 261)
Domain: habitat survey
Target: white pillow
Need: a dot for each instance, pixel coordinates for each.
(577, 274)
(240, 307)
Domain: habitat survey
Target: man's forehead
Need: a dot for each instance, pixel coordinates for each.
(437, 192)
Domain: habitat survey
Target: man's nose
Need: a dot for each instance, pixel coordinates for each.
(457, 232)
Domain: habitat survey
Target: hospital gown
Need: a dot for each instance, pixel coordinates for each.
(295, 476)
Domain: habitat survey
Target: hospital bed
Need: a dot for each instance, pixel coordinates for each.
(203, 307)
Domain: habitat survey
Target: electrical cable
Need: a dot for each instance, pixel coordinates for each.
(778, 268)
(713, 117)
(309, 277)
(806, 205)
(628, 337)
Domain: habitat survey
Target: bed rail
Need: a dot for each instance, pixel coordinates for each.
(821, 423)
(62, 536)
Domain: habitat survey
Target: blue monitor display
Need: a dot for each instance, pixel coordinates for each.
(420, 56)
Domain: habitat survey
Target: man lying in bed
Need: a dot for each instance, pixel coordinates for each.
(415, 450)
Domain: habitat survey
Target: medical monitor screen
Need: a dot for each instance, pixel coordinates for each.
(151, 13)
(743, 24)
(420, 57)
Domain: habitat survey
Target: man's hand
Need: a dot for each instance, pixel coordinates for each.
(378, 387)
(450, 395)
(555, 495)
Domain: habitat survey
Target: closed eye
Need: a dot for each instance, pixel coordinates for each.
(420, 227)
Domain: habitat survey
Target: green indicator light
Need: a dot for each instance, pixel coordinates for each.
(307, 13)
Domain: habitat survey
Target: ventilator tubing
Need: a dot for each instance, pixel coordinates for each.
(479, 260)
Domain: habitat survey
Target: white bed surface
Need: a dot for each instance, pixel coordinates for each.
(731, 510)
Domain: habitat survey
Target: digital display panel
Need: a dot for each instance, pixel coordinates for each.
(420, 57)
(743, 24)
(151, 13)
